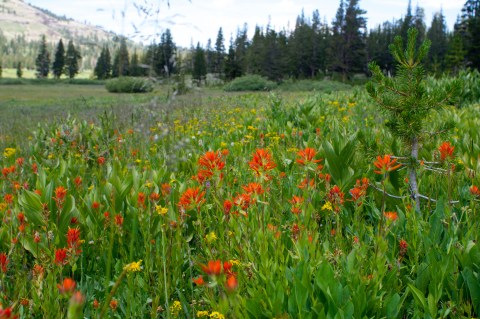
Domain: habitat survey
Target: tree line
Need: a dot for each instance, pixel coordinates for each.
(313, 49)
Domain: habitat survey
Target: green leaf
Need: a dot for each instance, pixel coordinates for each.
(32, 207)
(418, 296)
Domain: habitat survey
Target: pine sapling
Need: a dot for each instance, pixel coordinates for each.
(406, 101)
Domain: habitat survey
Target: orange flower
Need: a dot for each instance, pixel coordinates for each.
(403, 247)
(73, 239)
(359, 191)
(8, 198)
(96, 304)
(446, 151)
(141, 199)
(119, 220)
(78, 181)
(166, 189)
(101, 160)
(113, 304)
(67, 286)
(199, 281)
(307, 156)
(335, 196)
(262, 162)
(475, 191)
(227, 206)
(253, 188)
(243, 201)
(391, 216)
(307, 183)
(212, 161)
(231, 284)
(95, 205)
(191, 198)
(213, 268)
(3, 262)
(296, 202)
(60, 193)
(154, 197)
(61, 256)
(385, 164)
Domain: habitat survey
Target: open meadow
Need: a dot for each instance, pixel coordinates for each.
(233, 205)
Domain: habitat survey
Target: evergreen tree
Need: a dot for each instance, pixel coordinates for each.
(455, 56)
(232, 67)
(406, 22)
(241, 45)
(347, 53)
(377, 46)
(103, 68)
(166, 55)
(406, 100)
(255, 53)
(59, 61)
(471, 24)
(42, 61)
(121, 61)
(72, 58)
(419, 24)
(437, 34)
(219, 53)
(19, 70)
(209, 55)
(199, 65)
(301, 48)
(135, 68)
(1, 69)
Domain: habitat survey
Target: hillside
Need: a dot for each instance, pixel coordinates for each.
(18, 18)
(22, 25)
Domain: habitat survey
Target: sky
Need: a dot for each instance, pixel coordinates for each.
(198, 20)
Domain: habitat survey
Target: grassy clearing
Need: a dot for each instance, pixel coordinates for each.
(31, 74)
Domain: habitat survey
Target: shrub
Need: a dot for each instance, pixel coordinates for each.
(129, 85)
(250, 83)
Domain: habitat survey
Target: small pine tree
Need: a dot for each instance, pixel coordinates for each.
(43, 59)
(59, 62)
(72, 59)
(121, 61)
(19, 70)
(405, 99)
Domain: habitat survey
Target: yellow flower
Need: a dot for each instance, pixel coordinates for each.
(9, 152)
(327, 206)
(3, 206)
(211, 237)
(216, 315)
(202, 313)
(133, 266)
(175, 308)
(51, 155)
(234, 262)
(223, 144)
(161, 210)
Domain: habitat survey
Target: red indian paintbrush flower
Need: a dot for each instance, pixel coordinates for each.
(61, 256)
(213, 268)
(191, 198)
(60, 193)
(307, 156)
(67, 286)
(262, 162)
(253, 188)
(335, 196)
(385, 164)
(227, 206)
(446, 151)
(475, 191)
(73, 239)
(212, 161)
(199, 281)
(296, 202)
(3, 262)
(391, 216)
(231, 284)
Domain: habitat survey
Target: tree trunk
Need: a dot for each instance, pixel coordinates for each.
(413, 175)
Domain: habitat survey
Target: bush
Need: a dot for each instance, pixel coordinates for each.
(128, 84)
(250, 83)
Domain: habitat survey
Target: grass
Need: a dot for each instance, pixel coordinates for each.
(11, 73)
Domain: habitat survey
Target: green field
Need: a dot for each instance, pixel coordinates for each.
(30, 74)
(232, 205)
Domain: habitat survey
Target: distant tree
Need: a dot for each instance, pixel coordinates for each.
(59, 60)
(1, 69)
(72, 58)
(103, 68)
(166, 52)
(199, 64)
(209, 56)
(471, 26)
(232, 67)
(135, 69)
(455, 58)
(19, 70)
(219, 53)
(419, 24)
(406, 22)
(42, 61)
(437, 34)
(347, 53)
(378, 41)
(121, 61)
(241, 45)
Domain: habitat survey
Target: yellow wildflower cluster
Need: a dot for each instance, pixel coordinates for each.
(9, 152)
(216, 315)
(327, 206)
(211, 237)
(133, 266)
(175, 308)
(161, 210)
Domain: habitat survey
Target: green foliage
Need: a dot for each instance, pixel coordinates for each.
(121, 60)
(103, 68)
(324, 86)
(126, 84)
(199, 64)
(19, 70)
(250, 83)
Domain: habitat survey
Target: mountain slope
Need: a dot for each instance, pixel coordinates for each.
(18, 18)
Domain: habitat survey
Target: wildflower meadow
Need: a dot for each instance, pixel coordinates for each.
(252, 205)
